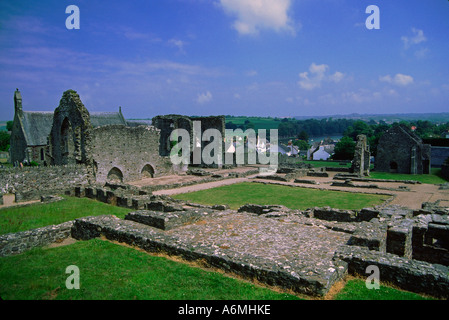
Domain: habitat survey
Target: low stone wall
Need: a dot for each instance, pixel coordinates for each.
(330, 214)
(15, 243)
(342, 176)
(337, 169)
(246, 265)
(167, 220)
(411, 275)
(30, 183)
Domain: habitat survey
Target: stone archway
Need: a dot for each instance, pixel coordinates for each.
(147, 172)
(67, 143)
(393, 167)
(115, 175)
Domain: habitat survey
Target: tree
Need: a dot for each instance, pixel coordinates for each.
(303, 136)
(4, 141)
(301, 144)
(344, 149)
(250, 125)
(9, 125)
(358, 127)
(230, 125)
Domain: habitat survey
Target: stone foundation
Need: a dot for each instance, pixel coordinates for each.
(305, 251)
(15, 243)
(411, 275)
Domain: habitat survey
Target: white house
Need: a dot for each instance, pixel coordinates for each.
(320, 154)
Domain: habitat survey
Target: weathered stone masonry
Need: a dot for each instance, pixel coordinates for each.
(30, 183)
(401, 151)
(132, 152)
(287, 248)
(306, 251)
(15, 243)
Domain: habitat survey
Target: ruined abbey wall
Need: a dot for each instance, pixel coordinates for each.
(127, 154)
(70, 136)
(30, 183)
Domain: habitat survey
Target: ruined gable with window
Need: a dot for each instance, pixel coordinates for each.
(29, 134)
(103, 142)
(400, 150)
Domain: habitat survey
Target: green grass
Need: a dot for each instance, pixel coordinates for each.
(333, 164)
(113, 272)
(41, 215)
(433, 178)
(356, 290)
(109, 272)
(240, 194)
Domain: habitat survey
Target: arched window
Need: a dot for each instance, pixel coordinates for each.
(67, 143)
(115, 175)
(147, 172)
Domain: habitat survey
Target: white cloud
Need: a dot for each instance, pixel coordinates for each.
(251, 73)
(316, 75)
(254, 15)
(399, 79)
(337, 77)
(422, 53)
(178, 44)
(204, 97)
(417, 38)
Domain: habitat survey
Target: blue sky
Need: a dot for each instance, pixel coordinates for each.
(239, 57)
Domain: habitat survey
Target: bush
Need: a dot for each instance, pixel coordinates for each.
(4, 141)
(344, 149)
(34, 164)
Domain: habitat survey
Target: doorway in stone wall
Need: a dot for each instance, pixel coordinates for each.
(115, 175)
(393, 167)
(147, 172)
(67, 143)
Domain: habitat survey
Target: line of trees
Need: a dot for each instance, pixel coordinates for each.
(313, 127)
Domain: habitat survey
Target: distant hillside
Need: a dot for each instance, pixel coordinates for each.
(442, 117)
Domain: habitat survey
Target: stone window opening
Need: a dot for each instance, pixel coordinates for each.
(393, 167)
(147, 172)
(67, 143)
(115, 175)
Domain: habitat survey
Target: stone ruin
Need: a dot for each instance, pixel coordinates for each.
(104, 142)
(400, 150)
(361, 161)
(307, 251)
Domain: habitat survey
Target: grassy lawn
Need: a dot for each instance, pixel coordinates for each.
(109, 271)
(433, 178)
(41, 215)
(333, 164)
(112, 272)
(356, 290)
(240, 194)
